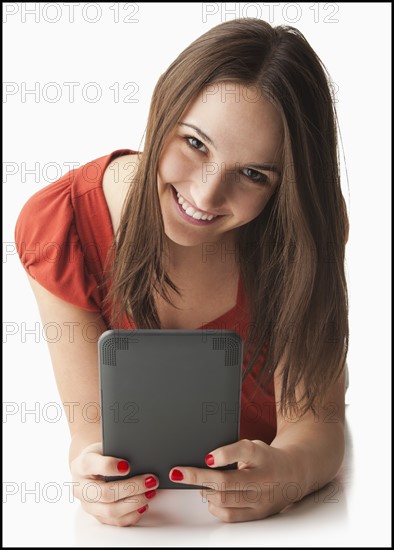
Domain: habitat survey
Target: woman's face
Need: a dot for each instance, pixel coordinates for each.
(222, 159)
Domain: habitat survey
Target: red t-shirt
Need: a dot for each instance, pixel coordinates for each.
(63, 235)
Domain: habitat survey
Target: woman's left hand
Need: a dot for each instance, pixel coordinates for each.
(264, 483)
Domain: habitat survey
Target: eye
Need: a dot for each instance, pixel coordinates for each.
(195, 143)
(256, 177)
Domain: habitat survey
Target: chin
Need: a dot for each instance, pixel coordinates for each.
(183, 239)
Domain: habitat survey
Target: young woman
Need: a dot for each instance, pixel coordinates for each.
(232, 217)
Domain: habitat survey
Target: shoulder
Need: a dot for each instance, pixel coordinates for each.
(63, 232)
(117, 179)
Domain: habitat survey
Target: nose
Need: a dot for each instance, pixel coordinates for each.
(209, 191)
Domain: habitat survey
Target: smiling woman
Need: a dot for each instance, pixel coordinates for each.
(233, 213)
(215, 168)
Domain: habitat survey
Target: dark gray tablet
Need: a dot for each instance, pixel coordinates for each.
(169, 397)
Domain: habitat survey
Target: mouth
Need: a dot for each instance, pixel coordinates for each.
(189, 217)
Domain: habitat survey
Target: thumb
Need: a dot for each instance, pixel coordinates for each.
(91, 462)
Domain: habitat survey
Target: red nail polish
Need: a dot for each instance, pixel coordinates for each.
(150, 494)
(123, 466)
(142, 510)
(150, 482)
(176, 475)
(209, 460)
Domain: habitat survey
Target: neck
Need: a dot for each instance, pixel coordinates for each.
(204, 257)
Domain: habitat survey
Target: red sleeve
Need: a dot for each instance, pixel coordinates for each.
(50, 248)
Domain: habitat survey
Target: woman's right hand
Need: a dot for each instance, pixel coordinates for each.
(120, 502)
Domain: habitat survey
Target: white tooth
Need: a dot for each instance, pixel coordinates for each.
(190, 211)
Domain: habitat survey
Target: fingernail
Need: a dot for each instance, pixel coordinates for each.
(209, 460)
(142, 510)
(176, 475)
(150, 494)
(150, 482)
(122, 466)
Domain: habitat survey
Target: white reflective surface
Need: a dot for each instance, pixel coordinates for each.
(352, 510)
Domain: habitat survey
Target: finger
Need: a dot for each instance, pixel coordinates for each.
(233, 515)
(245, 451)
(218, 480)
(124, 521)
(112, 491)
(117, 509)
(93, 463)
(245, 498)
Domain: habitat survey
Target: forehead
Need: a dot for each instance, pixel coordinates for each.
(238, 119)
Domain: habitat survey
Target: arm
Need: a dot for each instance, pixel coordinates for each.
(75, 362)
(315, 444)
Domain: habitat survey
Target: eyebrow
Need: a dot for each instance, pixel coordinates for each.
(199, 132)
(264, 167)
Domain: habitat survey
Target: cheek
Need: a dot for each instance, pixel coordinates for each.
(176, 166)
(249, 208)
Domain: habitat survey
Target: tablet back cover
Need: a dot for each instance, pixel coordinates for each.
(169, 397)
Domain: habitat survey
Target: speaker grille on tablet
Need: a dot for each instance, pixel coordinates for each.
(230, 347)
(110, 347)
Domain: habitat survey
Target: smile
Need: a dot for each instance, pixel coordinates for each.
(191, 214)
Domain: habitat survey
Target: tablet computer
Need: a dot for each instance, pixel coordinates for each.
(169, 397)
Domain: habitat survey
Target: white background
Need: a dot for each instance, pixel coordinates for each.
(355, 49)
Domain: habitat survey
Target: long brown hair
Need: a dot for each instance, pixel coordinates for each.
(292, 255)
